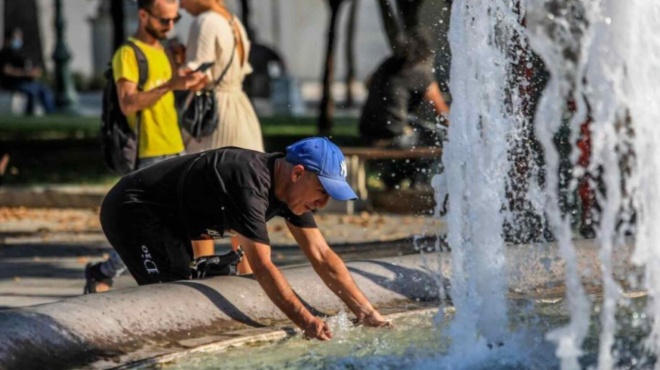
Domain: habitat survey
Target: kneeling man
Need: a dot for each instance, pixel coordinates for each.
(151, 216)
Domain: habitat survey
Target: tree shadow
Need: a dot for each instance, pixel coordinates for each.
(222, 303)
(418, 285)
(39, 269)
(52, 250)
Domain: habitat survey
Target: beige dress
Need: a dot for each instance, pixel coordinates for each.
(211, 39)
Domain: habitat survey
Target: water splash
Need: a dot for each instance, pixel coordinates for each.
(642, 60)
(602, 58)
(556, 32)
(475, 160)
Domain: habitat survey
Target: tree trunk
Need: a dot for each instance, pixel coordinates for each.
(390, 22)
(409, 12)
(245, 18)
(350, 53)
(326, 107)
(119, 31)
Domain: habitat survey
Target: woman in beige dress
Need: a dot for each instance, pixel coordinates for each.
(213, 34)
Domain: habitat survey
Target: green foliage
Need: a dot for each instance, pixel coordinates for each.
(60, 149)
(79, 127)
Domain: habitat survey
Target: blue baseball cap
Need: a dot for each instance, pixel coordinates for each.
(325, 159)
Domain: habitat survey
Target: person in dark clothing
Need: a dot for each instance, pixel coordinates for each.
(150, 217)
(18, 73)
(400, 87)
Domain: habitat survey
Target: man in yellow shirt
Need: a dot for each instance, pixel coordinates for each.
(160, 136)
(159, 133)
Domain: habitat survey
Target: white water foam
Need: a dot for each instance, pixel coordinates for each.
(476, 162)
(604, 56)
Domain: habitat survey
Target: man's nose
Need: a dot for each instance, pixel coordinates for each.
(321, 203)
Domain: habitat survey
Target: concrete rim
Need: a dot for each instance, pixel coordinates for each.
(126, 326)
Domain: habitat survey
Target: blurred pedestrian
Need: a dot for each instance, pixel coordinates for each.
(19, 73)
(218, 36)
(213, 35)
(159, 133)
(399, 88)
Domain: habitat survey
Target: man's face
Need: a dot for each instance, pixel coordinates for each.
(160, 19)
(306, 193)
(16, 40)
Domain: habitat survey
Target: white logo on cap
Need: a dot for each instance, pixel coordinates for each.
(343, 170)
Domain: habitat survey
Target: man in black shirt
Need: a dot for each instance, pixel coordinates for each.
(400, 88)
(19, 73)
(151, 215)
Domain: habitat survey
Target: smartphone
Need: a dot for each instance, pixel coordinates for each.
(204, 66)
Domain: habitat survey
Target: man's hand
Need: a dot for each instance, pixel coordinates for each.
(317, 329)
(35, 72)
(188, 80)
(374, 319)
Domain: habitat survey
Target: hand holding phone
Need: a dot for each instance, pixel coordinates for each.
(204, 66)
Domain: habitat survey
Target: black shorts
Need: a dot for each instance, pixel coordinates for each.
(153, 250)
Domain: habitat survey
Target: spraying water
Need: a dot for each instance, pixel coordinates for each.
(602, 58)
(475, 160)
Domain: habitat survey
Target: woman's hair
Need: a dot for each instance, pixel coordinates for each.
(413, 46)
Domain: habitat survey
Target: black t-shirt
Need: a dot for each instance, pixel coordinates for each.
(9, 56)
(224, 189)
(395, 90)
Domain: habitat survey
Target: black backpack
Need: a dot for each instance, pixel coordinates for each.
(118, 142)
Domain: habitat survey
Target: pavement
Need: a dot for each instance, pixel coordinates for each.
(48, 234)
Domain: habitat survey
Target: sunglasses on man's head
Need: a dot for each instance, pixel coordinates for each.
(165, 21)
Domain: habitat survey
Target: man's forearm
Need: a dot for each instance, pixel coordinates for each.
(15, 72)
(335, 275)
(144, 99)
(273, 283)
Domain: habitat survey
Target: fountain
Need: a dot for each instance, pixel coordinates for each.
(601, 56)
(511, 178)
(511, 169)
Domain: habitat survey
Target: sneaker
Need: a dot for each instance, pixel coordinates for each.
(94, 277)
(587, 231)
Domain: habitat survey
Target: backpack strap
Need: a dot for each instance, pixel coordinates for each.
(143, 65)
(143, 75)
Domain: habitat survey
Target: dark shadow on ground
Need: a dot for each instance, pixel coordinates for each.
(41, 269)
(222, 303)
(420, 285)
(311, 308)
(52, 250)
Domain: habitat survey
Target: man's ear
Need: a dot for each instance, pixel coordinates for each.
(297, 172)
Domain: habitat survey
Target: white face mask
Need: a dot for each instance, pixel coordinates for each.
(16, 43)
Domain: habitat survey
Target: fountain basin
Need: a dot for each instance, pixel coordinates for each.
(127, 326)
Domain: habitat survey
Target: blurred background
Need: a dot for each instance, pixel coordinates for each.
(289, 38)
(311, 59)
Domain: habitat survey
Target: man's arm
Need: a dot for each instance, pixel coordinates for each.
(12, 71)
(279, 291)
(335, 275)
(131, 100)
(434, 96)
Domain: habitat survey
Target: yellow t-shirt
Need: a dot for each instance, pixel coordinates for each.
(159, 126)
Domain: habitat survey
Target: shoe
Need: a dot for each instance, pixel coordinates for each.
(587, 231)
(94, 276)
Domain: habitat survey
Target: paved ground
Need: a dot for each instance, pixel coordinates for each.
(43, 251)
